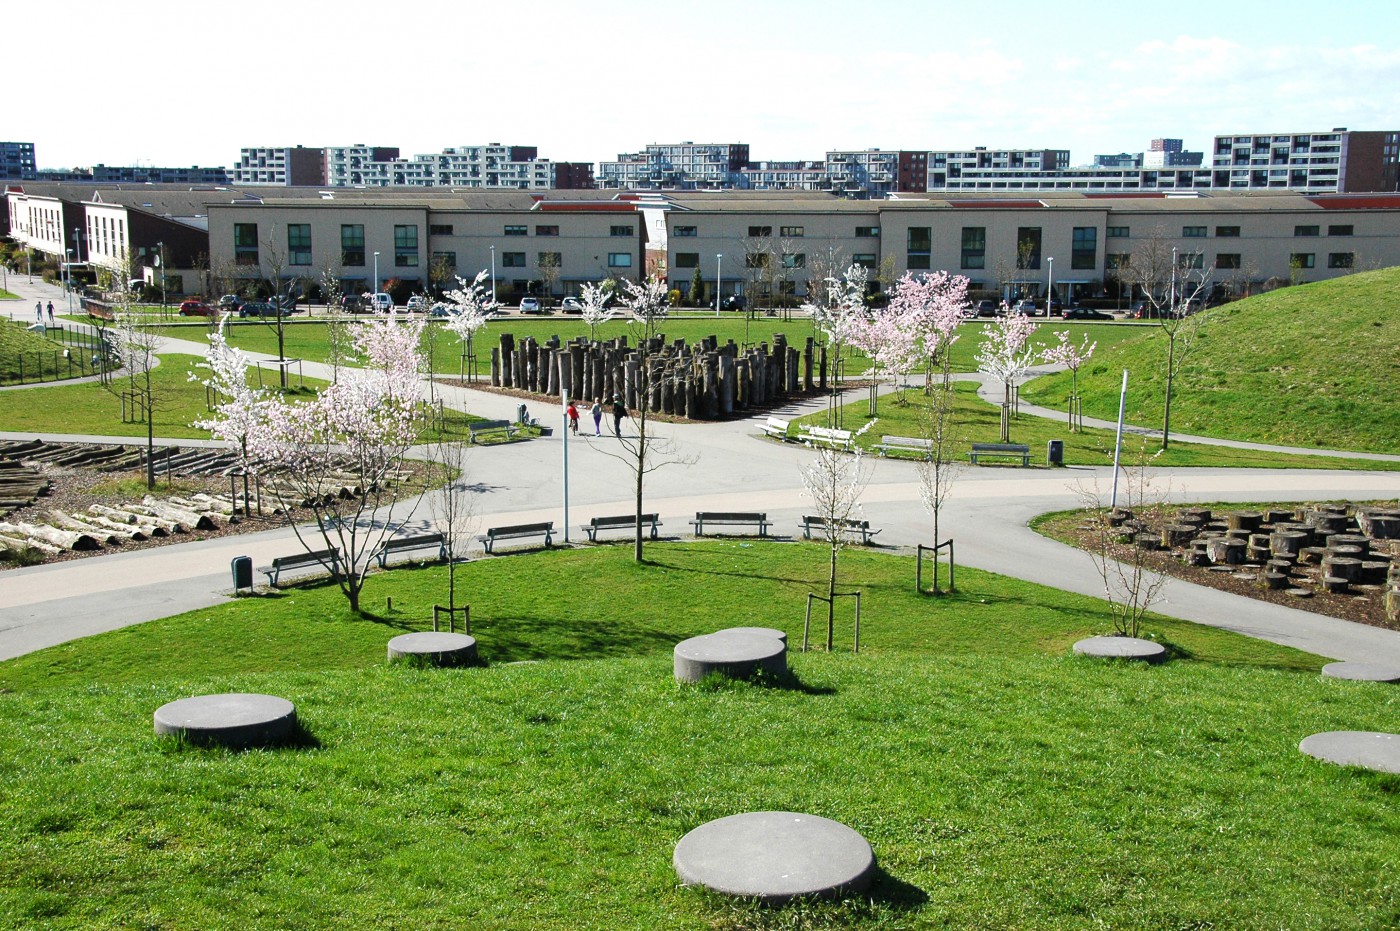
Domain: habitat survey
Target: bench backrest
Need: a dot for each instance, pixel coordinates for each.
(481, 425)
(520, 529)
(844, 522)
(306, 559)
(909, 441)
(627, 521)
(829, 433)
(731, 515)
(404, 543)
(1000, 448)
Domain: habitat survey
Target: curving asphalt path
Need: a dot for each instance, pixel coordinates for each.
(731, 467)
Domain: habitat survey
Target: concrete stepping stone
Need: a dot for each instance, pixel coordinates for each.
(737, 655)
(232, 719)
(438, 648)
(774, 856)
(1368, 749)
(1362, 672)
(1122, 648)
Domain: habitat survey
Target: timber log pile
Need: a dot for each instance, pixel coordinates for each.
(20, 485)
(707, 381)
(1332, 548)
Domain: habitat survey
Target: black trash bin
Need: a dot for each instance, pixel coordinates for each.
(1055, 452)
(242, 573)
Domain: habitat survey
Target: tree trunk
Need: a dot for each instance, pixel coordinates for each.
(831, 601)
(281, 338)
(1167, 405)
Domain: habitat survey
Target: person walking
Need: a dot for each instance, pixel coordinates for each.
(619, 412)
(597, 413)
(572, 412)
(51, 313)
(39, 311)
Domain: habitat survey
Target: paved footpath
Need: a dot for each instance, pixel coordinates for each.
(730, 467)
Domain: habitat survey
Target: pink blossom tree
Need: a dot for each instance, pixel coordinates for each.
(240, 409)
(1072, 357)
(934, 305)
(842, 313)
(355, 432)
(1006, 355)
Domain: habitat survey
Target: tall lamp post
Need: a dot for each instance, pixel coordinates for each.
(160, 261)
(719, 281)
(493, 273)
(376, 273)
(70, 280)
(1049, 287)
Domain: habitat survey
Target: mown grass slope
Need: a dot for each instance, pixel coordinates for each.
(1314, 365)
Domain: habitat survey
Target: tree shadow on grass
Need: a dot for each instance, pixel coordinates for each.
(512, 638)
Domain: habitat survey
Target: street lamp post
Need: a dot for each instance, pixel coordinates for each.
(376, 273)
(1049, 287)
(719, 281)
(493, 273)
(70, 281)
(160, 261)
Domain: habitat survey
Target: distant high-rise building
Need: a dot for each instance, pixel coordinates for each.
(1339, 161)
(680, 166)
(280, 165)
(17, 160)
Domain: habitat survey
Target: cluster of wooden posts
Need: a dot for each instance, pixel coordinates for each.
(707, 381)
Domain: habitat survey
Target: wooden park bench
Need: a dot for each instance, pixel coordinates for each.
(483, 428)
(624, 522)
(408, 544)
(730, 519)
(777, 428)
(1001, 450)
(904, 444)
(329, 559)
(855, 528)
(825, 436)
(517, 531)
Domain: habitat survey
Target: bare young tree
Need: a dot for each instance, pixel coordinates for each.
(1130, 584)
(945, 437)
(1174, 285)
(834, 482)
(137, 346)
(272, 267)
(549, 267)
(453, 507)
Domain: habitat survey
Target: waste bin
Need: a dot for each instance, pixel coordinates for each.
(242, 573)
(1055, 452)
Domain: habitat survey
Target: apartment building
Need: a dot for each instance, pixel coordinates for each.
(280, 166)
(17, 161)
(358, 165)
(785, 176)
(142, 174)
(1021, 246)
(872, 171)
(945, 168)
(678, 166)
(1338, 161)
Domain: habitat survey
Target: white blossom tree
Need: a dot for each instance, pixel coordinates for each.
(840, 314)
(473, 305)
(1006, 355)
(834, 482)
(595, 298)
(1072, 357)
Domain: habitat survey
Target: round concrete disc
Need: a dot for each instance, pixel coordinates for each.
(1121, 648)
(1362, 672)
(442, 648)
(232, 719)
(761, 631)
(736, 655)
(1367, 749)
(774, 856)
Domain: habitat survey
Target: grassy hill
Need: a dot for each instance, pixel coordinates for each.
(1315, 365)
(1002, 782)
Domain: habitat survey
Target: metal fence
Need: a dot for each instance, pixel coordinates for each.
(78, 352)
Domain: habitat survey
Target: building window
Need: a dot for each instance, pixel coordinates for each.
(1192, 260)
(755, 260)
(546, 231)
(867, 231)
(920, 247)
(1302, 260)
(1305, 231)
(974, 247)
(1117, 232)
(794, 260)
(1227, 232)
(759, 232)
(1084, 253)
(1028, 247)
(439, 229)
(790, 232)
(512, 259)
(627, 230)
(1116, 260)
(684, 231)
(1343, 230)
(1340, 259)
(405, 247)
(1193, 232)
(687, 260)
(352, 244)
(864, 260)
(298, 243)
(549, 260)
(517, 231)
(619, 260)
(245, 244)
(1227, 260)
(446, 260)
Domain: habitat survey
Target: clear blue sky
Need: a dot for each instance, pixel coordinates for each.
(183, 84)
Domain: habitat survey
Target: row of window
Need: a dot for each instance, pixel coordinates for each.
(786, 232)
(550, 230)
(1233, 260)
(1083, 252)
(352, 245)
(1233, 232)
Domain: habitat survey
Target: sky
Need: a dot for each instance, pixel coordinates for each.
(184, 84)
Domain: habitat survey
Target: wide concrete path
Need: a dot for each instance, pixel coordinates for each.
(728, 467)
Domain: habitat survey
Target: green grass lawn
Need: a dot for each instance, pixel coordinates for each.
(1001, 782)
(29, 357)
(306, 339)
(8, 295)
(1314, 365)
(981, 423)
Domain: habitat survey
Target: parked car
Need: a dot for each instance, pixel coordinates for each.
(1084, 313)
(1025, 308)
(417, 304)
(352, 304)
(230, 302)
(572, 305)
(444, 309)
(197, 309)
(733, 302)
(529, 305)
(987, 308)
(381, 303)
(1145, 311)
(257, 309)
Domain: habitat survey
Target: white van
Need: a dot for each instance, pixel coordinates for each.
(381, 303)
